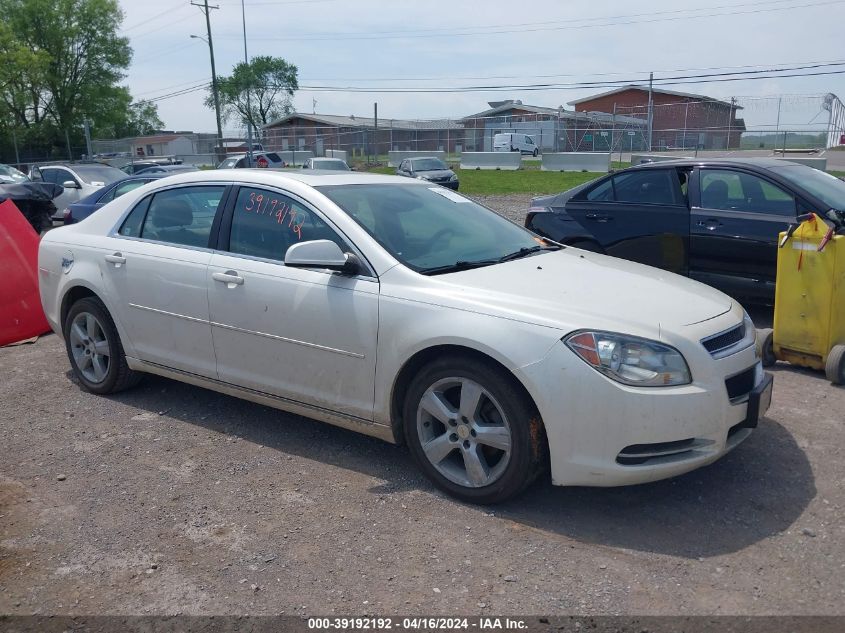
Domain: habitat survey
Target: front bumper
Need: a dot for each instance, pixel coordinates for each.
(602, 433)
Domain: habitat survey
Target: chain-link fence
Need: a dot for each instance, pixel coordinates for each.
(674, 123)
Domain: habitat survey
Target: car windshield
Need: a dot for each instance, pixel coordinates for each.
(98, 173)
(228, 163)
(10, 174)
(429, 228)
(330, 164)
(829, 189)
(428, 164)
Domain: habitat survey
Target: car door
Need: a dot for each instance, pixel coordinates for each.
(69, 195)
(640, 215)
(305, 335)
(735, 220)
(156, 268)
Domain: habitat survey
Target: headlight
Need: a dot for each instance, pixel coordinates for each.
(421, 178)
(453, 177)
(630, 360)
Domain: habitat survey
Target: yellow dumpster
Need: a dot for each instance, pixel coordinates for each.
(809, 324)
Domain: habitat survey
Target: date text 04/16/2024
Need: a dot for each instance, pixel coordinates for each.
(416, 624)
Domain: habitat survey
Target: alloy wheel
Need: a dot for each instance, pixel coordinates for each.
(89, 347)
(464, 432)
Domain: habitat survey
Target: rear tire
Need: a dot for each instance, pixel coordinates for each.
(765, 347)
(94, 349)
(472, 431)
(835, 366)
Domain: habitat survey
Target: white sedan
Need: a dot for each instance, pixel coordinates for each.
(405, 311)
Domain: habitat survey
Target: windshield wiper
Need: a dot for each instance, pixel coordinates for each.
(525, 252)
(458, 266)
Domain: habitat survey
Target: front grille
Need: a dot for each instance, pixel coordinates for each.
(741, 384)
(724, 340)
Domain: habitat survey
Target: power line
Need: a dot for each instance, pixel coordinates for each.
(680, 79)
(605, 74)
(501, 30)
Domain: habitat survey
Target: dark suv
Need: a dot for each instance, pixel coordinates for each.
(716, 221)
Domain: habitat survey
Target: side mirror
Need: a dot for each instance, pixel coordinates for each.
(322, 254)
(70, 184)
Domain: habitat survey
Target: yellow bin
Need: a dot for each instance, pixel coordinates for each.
(809, 325)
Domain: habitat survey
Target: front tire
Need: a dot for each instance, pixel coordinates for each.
(94, 349)
(765, 346)
(472, 431)
(835, 366)
(535, 152)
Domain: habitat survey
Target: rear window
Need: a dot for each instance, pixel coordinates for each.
(827, 188)
(648, 186)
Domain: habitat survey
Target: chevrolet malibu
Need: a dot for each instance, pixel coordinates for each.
(400, 309)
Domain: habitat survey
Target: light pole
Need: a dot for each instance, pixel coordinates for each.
(219, 145)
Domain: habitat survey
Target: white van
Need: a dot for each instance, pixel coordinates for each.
(514, 142)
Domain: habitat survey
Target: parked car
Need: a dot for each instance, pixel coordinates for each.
(716, 221)
(368, 302)
(78, 211)
(140, 165)
(336, 164)
(259, 159)
(167, 170)
(428, 168)
(78, 180)
(33, 199)
(9, 175)
(515, 142)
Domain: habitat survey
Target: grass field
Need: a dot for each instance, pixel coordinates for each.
(491, 182)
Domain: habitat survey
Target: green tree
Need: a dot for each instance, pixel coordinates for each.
(270, 82)
(62, 62)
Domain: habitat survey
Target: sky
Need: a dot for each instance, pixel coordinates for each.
(387, 44)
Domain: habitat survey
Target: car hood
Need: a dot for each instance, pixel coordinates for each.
(571, 289)
(436, 173)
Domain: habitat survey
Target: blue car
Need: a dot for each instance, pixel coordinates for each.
(81, 209)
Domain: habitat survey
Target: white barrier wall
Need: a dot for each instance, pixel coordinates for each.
(818, 163)
(394, 158)
(636, 159)
(577, 161)
(342, 154)
(491, 160)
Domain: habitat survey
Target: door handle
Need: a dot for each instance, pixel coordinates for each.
(711, 224)
(117, 259)
(230, 278)
(598, 217)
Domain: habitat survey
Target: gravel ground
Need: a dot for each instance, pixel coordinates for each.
(511, 206)
(172, 499)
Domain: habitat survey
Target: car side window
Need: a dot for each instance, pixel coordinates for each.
(648, 186)
(131, 226)
(183, 216)
(729, 190)
(45, 175)
(266, 223)
(121, 189)
(602, 193)
(63, 175)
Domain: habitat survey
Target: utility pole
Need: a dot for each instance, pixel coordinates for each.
(86, 125)
(207, 9)
(248, 104)
(375, 129)
(730, 120)
(650, 109)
